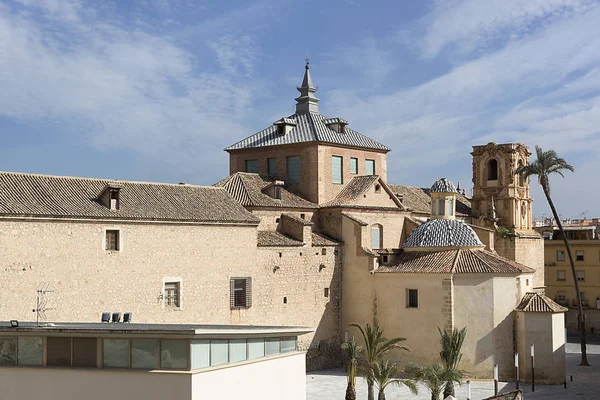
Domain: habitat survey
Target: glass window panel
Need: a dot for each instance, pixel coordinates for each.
(376, 237)
(288, 344)
(219, 352)
(272, 346)
(144, 353)
(252, 166)
(173, 354)
(440, 207)
(30, 350)
(116, 353)
(85, 351)
(354, 165)
(336, 169)
(369, 167)
(256, 348)
(200, 354)
(8, 351)
(58, 352)
(237, 350)
(293, 170)
(450, 208)
(272, 166)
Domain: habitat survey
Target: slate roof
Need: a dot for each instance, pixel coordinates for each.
(419, 200)
(536, 302)
(442, 185)
(31, 195)
(310, 127)
(456, 261)
(443, 233)
(247, 189)
(354, 189)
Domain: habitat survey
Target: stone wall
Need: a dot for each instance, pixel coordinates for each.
(527, 250)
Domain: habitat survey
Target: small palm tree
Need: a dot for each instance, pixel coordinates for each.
(376, 346)
(385, 373)
(353, 351)
(433, 377)
(547, 163)
(451, 356)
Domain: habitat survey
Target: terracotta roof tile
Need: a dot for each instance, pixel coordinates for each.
(419, 200)
(319, 239)
(276, 239)
(536, 302)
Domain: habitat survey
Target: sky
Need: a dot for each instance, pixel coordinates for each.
(154, 90)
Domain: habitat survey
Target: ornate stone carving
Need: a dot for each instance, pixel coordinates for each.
(492, 148)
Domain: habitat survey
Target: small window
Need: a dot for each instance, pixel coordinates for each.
(326, 292)
(526, 282)
(412, 298)
(580, 275)
(336, 170)
(172, 294)
(562, 296)
(369, 167)
(272, 166)
(377, 188)
(579, 255)
(376, 237)
(303, 216)
(241, 292)
(560, 255)
(561, 275)
(252, 166)
(112, 240)
(385, 259)
(449, 208)
(113, 197)
(324, 252)
(492, 170)
(521, 179)
(354, 165)
(294, 175)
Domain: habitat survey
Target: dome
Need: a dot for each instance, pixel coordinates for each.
(443, 185)
(443, 233)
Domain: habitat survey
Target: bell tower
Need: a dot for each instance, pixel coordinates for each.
(500, 196)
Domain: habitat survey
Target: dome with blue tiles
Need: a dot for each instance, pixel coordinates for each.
(443, 233)
(443, 185)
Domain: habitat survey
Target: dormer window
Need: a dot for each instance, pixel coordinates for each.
(110, 197)
(113, 196)
(273, 189)
(336, 124)
(284, 126)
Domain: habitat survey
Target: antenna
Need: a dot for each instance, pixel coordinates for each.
(41, 302)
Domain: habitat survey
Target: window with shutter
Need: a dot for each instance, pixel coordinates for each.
(272, 166)
(336, 169)
(293, 170)
(241, 292)
(412, 298)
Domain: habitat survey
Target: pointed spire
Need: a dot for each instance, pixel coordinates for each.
(307, 101)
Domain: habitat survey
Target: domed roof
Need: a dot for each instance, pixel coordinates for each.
(443, 185)
(443, 233)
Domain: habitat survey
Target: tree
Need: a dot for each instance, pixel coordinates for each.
(547, 163)
(376, 346)
(450, 355)
(353, 351)
(433, 377)
(385, 373)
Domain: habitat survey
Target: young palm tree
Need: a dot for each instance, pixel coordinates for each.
(450, 355)
(547, 163)
(376, 346)
(434, 377)
(353, 351)
(385, 373)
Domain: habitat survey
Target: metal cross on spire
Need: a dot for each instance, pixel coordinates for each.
(307, 59)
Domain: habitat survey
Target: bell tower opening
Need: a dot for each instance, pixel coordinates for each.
(492, 170)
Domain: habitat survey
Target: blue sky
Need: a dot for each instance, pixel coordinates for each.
(154, 90)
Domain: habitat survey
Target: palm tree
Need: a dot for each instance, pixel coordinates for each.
(547, 163)
(353, 351)
(450, 355)
(434, 377)
(385, 373)
(376, 346)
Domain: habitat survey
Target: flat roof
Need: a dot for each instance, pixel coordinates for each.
(140, 329)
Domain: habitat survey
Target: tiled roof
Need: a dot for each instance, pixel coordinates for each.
(33, 195)
(247, 189)
(456, 261)
(276, 239)
(419, 200)
(355, 188)
(319, 239)
(443, 233)
(355, 219)
(443, 185)
(536, 302)
(301, 221)
(310, 127)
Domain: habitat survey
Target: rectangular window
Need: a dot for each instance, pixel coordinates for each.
(272, 166)
(219, 353)
(173, 354)
(237, 350)
(562, 296)
(58, 352)
(449, 209)
(336, 169)
(354, 165)
(144, 353)
(412, 298)
(200, 354)
(256, 348)
(272, 346)
(561, 275)
(8, 351)
(560, 255)
(252, 166)
(579, 255)
(241, 292)
(326, 292)
(172, 294)
(112, 240)
(369, 167)
(288, 344)
(441, 207)
(376, 237)
(116, 353)
(294, 175)
(580, 275)
(30, 350)
(84, 352)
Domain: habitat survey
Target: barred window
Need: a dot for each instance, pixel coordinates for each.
(172, 294)
(112, 240)
(241, 292)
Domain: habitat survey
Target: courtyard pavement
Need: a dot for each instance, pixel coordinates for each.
(330, 385)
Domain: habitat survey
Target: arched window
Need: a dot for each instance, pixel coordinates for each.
(376, 236)
(492, 170)
(521, 180)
